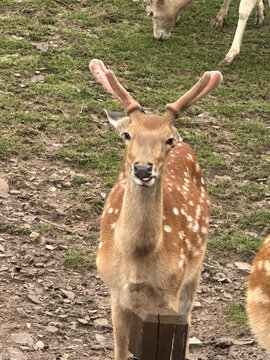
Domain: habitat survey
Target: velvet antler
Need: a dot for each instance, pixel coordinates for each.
(109, 81)
(208, 82)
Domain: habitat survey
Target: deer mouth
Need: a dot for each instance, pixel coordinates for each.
(147, 181)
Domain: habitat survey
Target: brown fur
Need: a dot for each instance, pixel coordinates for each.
(258, 296)
(142, 264)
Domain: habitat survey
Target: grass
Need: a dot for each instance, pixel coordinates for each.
(236, 312)
(44, 37)
(80, 260)
(237, 243)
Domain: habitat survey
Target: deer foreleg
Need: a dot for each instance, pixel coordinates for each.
(187, 296)
(260, 12)
(221, 16)
(121, 325)
(245, 9)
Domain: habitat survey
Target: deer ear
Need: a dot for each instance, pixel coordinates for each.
(176, 135)
(119, 120)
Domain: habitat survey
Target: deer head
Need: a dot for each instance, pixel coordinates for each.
(148, 137)
(164, 14)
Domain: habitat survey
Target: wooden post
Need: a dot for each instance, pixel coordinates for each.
(157, 334)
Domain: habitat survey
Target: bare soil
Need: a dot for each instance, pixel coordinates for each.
(50, 312)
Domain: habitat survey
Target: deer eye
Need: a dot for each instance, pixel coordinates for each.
(126, 136)
(170, 141)
(150, 13)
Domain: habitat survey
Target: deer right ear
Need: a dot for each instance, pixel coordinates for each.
(119, 120)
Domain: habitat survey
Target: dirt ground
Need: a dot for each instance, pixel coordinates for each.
(50, 312)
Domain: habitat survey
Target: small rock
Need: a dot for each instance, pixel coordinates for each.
(34, 299)
(39, 345)
(83, 321)
(242, 266)
(101, 322)
(53, 189)
(14, 192)
(36, 79)
(49, 247)
(194, 341)
(67, 184)
(4, 189)
(39, 265)
(22, 338)
(68, 294)
(34, 235)
(51, 329)
(2, 249)
(100, 339)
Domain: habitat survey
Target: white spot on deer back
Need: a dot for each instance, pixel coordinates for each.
(181, 263)
(175, 211)
(204, 230)
(181, 234)
(113, 225)
(267, 266)
(167, 228)
(100, 245)
(110, 210)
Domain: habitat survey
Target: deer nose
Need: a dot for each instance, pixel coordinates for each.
(143, 171)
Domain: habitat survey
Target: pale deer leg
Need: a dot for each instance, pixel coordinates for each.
(121, 324)
(187, 296)
(221, 16)
(260, 12)
(245, 9)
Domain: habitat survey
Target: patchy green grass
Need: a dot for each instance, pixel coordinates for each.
(78, 180)
(13, 229)
(236, 312)
(65, 105)
(80, 260)
(259, 219)
(238, 243)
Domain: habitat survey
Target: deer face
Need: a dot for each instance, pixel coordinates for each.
(148, 140)
(163, 18)
(164, 14)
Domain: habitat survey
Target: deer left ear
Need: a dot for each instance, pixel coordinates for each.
(119, 120)
(176, 135)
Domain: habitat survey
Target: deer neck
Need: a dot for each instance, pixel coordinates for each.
(138, 230)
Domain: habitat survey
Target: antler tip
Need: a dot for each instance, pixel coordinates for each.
(93, 64)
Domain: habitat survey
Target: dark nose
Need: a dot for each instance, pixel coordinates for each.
(143, 171)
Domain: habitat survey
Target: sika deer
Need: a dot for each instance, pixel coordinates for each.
(258, 295)
(166, 12)
(155, 221)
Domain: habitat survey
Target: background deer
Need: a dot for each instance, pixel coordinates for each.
(165, 14)
(258, 296)
(155, 221)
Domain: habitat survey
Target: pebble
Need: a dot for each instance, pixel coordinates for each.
(34, 235)
(51, 329)
(101, 322)
(100, 338)
(195, 341)
(242, 266)
(49, 247)
(22, 338)
(14, 192)
(39, 345)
